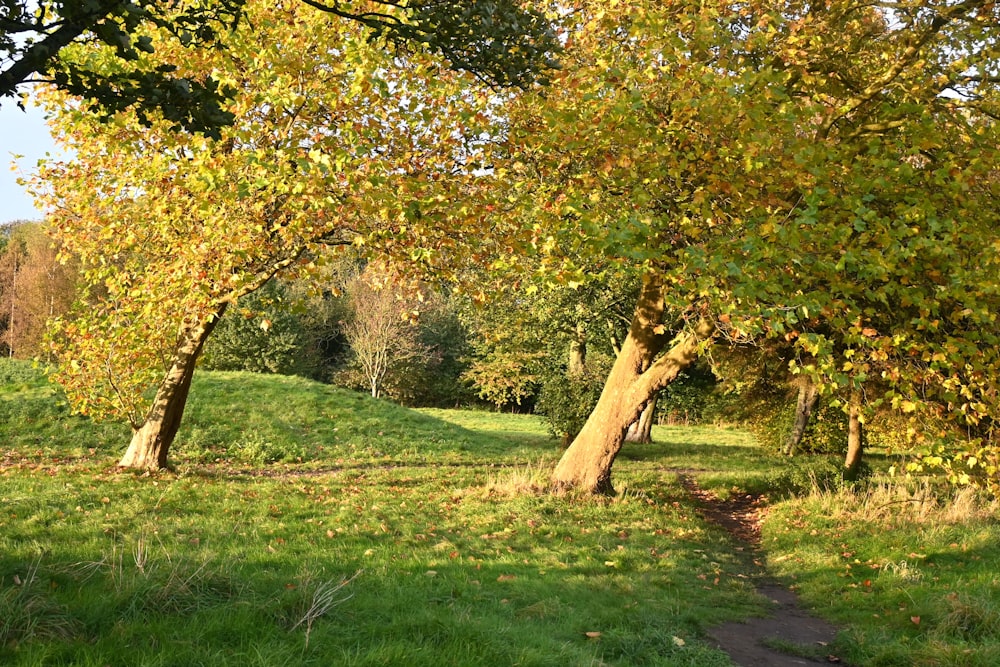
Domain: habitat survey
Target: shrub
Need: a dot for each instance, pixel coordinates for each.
(260, 335)
(505, 379)
(567, 399)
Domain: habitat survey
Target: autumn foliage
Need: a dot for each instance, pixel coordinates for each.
(815, 178)
(820, 175)
(171, 229)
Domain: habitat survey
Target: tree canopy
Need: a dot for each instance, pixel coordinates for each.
(331, 131)
(821, 176)
(821, 173)
(497, 40)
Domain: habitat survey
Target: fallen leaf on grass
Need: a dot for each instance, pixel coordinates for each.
(592, 634)
(915, 619)
(677, 641)
(506, 577)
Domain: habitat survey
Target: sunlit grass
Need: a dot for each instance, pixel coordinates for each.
(436, 570)
(305, 525)
(400, 537)
(909, 567)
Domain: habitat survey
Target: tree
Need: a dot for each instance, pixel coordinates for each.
(331, 131)
(791, 171)
(498, 41)
(532, 338)
(34, 287)
(855, 437)
(33, 35)
(382, 329)
(807, 398)
(434, 379)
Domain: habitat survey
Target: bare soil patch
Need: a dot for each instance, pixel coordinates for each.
(789, 635)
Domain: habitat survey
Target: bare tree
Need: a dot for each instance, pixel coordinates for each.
(382, 332)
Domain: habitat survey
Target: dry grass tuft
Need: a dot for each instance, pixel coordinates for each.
(325, 597)
(892, 502)
(530, 479)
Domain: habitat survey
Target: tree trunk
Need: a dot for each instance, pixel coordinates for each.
(641, 430)
(804, 406)
(151, 441)
(586, 464)
(855, 439)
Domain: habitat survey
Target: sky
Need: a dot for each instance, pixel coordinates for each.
(21, 133)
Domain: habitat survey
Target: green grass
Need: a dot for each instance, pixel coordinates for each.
(378, 536)
(305, 525)
(910, 569)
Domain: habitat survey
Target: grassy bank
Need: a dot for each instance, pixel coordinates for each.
(909, 569)
(304, 525)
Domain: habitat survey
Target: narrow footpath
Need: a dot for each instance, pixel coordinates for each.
(789, 636)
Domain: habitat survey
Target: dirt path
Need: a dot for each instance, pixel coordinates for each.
(790, 635)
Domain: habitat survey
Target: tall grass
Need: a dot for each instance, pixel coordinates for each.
(887, 503)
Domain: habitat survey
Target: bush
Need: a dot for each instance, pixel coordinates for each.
(260, 335)
(566, 400)
(505, 379)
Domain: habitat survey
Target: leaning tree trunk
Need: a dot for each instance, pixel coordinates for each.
(586, 464)
(641, 430)
(151, 441)
(804, 406)
(855, 439)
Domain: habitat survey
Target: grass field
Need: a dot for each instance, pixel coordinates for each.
(304, 525)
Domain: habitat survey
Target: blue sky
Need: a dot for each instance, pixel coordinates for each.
(21, 133)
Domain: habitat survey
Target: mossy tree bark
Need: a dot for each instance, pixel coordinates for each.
(638, 373)
(855, 438)
(152, 439)
(808, 399)
(641, 430)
